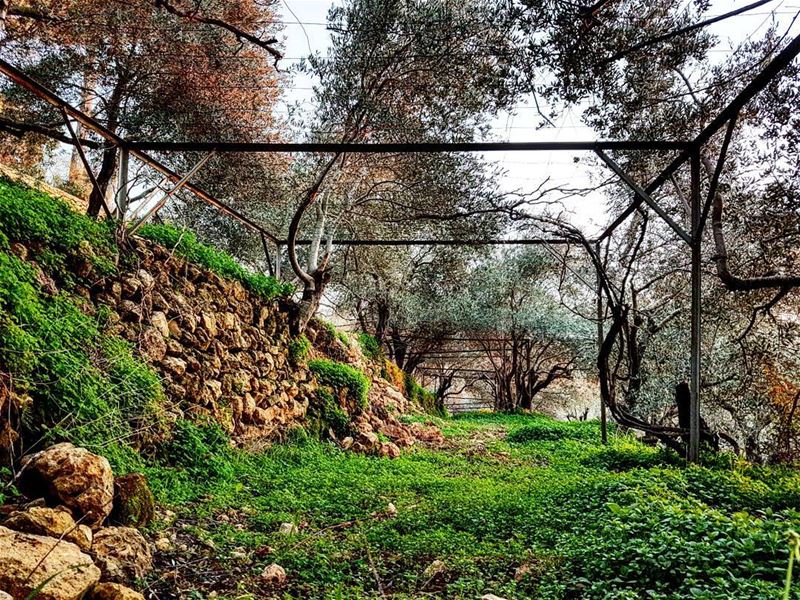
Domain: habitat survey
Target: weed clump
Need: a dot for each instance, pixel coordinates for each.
(299, 348)
(340, 376)
(186, 245)
(429, 402)
(370, 346)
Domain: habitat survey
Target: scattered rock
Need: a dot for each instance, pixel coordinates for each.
(347, 443)
(164, 544)
(391, 510)
(389, 450)
(29, 560)
(273, 574)
(287, 529)
(74, 477)
(491, 597)
(122, 554)
(113, 591)
(134, 504)
(53, 522)
(437, 567)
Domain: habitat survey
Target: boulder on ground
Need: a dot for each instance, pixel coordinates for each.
(53, 522)
(134, 504)
(74, 477)
(113, 591)
(29, 561)
(122, 554)
(4, 596)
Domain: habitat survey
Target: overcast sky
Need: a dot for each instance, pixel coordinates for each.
(526, 170)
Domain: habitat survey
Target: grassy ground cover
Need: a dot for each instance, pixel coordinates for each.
(515, 505)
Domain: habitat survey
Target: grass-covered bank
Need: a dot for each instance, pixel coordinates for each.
(551, 515)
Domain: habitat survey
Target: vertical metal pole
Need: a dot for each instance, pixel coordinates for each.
(603, 416)
(693, 452)
(268, 258)
(122, 190)
(277, 261)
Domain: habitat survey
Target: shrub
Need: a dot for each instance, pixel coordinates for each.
(340, 376)
(370, 346)
(299, 348)
(546, 430)
(185, 243)
(393, 374)
(429, 402)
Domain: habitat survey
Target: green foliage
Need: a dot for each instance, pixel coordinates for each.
(545, 429)
(324, 412)
(87, 388)
(53, 229)
(203, 450)
(370, 346)
(186, 245)
(334, 332)
(299, 348)
(341, 376)
(424, 398)
(623, 455)
(581, 529)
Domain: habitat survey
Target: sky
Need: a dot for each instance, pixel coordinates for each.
(305, 33)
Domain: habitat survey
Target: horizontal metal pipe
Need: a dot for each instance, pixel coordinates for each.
(406, 242)
(406, 148)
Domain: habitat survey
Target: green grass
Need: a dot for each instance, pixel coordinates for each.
(84, 386)
(186, 245)
(579, 520)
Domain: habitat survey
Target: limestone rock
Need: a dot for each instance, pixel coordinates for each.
(159, 320)
(152, 345)
(174, 365)
(389, 450)
(70, 571)
(433, 570)
(491, 597)
(74, 477)
(113, 591)
(274, 574)
(4, 596)
(134, 504)
(287, 529)
(122, 554)
(53, 522)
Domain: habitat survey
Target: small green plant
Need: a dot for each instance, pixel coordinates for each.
(370, 346)
(334, 332)
(185, 244)
(299, 348)
(324, 412)
(340, 376)
(794, 553)
(429, 402)
(203, 450)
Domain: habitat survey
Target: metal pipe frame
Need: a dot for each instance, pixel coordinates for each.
(687, 151)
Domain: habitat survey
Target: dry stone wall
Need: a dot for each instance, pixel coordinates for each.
(221, 351)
